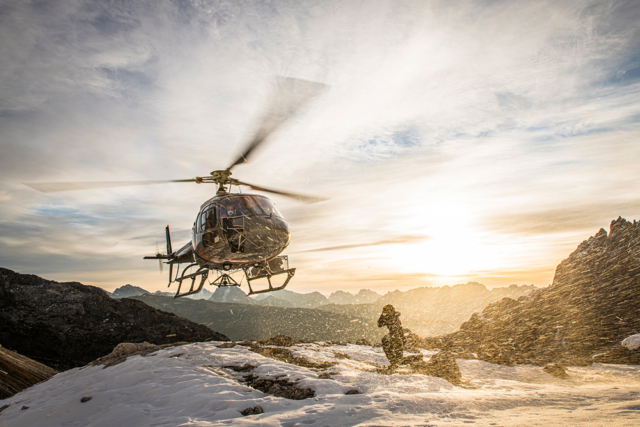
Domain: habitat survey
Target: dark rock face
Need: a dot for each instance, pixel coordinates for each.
(592, 305)
(280, 388)
(65, 325)
(18, 372)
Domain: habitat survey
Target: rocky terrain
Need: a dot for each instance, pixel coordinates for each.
(591, 307)
(65, 325)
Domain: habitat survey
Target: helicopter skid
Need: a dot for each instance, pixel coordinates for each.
(203, 272)
(290, 272)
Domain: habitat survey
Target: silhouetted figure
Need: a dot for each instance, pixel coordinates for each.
(393, 342)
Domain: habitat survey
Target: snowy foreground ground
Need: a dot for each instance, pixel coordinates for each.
(188, 386)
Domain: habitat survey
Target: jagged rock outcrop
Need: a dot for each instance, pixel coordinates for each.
(592, 305)
(17, 372)
(65, 325)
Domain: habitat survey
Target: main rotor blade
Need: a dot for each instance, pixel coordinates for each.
(290, 96)
(301, 197)
(52, 187)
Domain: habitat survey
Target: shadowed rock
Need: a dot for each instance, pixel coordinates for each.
(279, 340)
(127, 349)
(441, 364)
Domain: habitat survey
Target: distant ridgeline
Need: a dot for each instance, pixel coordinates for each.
(591, 307)
(340, 317)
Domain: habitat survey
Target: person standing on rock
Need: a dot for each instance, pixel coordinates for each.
(393, 342)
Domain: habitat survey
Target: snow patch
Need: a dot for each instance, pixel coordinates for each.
(194, 385)
(632, 342)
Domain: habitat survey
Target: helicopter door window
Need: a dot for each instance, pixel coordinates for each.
(209, 220)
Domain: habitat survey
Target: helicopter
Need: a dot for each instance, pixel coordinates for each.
(232, 232)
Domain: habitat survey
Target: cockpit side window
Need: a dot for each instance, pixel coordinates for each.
(208, 219)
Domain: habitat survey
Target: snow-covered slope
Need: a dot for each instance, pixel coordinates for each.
(189, 385)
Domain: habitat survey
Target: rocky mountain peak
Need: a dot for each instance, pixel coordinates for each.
(127, 291)
(592, 305)
(231, 294)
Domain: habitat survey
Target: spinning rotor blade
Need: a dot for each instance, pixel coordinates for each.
(301, 197)
(291, 96)
(159, 259)
(52, 187)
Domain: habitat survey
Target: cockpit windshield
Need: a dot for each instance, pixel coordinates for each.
(247, 205)
(267, 206)
(236, 206)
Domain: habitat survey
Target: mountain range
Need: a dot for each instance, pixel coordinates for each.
(254, 322)
(427, 311)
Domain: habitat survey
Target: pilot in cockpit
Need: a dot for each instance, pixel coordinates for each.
(229, 212)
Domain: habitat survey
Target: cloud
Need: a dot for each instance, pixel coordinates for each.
(395, 241)
(504, 132)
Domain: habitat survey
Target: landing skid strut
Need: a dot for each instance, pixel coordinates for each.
(264, 270)
(203, 272)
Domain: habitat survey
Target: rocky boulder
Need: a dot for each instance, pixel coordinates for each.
(442, 364)
(65, 325)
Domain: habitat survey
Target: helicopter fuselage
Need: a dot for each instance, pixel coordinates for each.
(235, 231)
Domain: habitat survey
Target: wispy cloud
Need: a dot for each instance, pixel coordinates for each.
(506, 132)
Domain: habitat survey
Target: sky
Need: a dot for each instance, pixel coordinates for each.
(457, 141)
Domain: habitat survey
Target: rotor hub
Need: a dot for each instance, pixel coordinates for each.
(221, 176)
